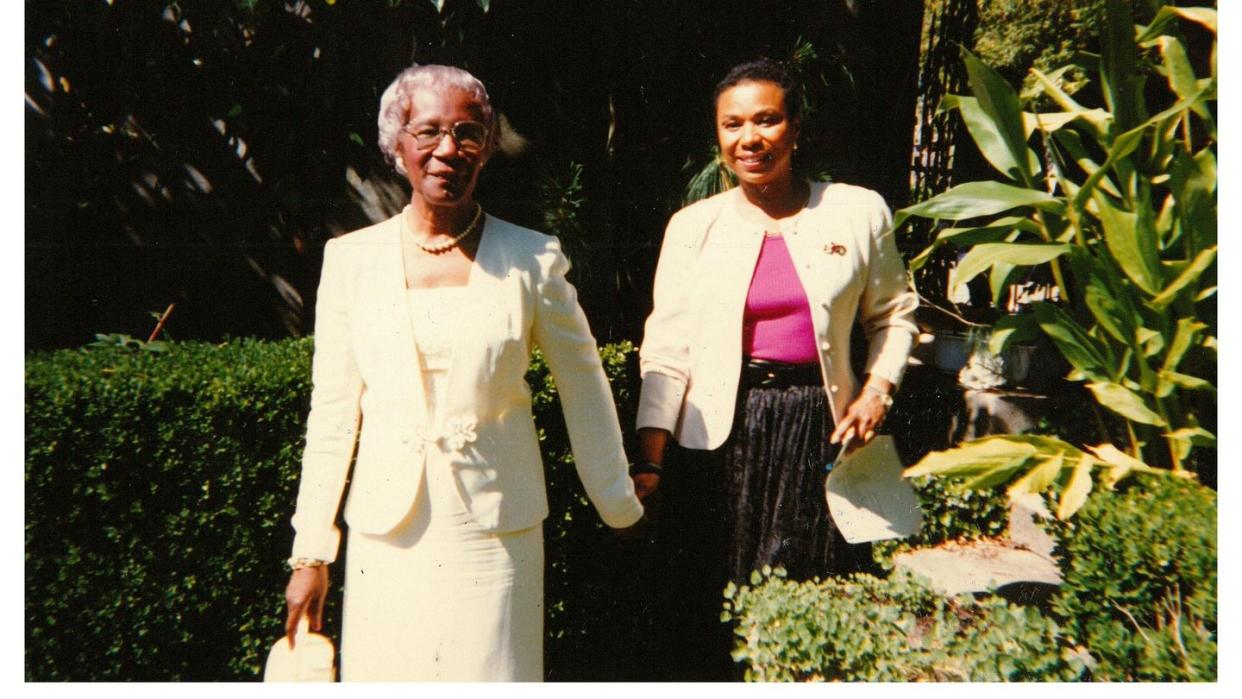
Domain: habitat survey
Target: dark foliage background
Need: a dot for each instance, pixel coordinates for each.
(159, 487)
(202, 151)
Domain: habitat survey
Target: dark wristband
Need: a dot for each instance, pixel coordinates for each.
(646, 467)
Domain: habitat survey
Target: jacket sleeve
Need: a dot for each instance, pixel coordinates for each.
(560, 329)
(887, 305)
(664, 359)
(332, 428)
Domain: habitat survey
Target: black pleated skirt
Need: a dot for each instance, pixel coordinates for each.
(757, 500)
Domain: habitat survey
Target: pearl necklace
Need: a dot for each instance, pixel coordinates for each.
(437, 248)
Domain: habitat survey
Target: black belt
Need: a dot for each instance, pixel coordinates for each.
(762, 373)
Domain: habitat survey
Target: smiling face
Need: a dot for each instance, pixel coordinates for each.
(444, 174)
(755, 133)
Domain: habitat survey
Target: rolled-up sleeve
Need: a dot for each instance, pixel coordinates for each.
(332, 427)
(664, 358)
(888, 302)
(560, 329)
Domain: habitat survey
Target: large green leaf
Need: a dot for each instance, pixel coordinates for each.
(999, 230)
(1124, 402)
(1131, 238)
(1078, 348)
(974, 458)
(1188, 329)
(1098, 118)
(1194, 435)
(988, 137)
(1109, 313)
(1076, 490)
(1202, 262)
(1119, 65)
(1040, 478)
(982, 257)
(1010, 329)
(1170, 380)
(999, 102)
(1202, 15)
(983, 198)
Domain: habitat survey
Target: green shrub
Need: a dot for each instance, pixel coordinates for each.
(950, 513)
(1140, 581)
(159, 487)
(867, 629)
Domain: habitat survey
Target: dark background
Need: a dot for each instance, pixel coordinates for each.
(201, 152)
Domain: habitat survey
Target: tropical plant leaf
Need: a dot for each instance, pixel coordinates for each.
(1010, 329)
(1202, 262)
(1183, 338)
(1201, 15)
(1118, 65)
(1074, 496)
(1125, 402)
(1186, 381)
(1039, 478)
(988, 137)
(1131, 238)
(982, 198)
(1120, 463)
(999, 102)
(1109, 314)
(983, 256)
(1078, 348)
(994, 476)
(974, 458)
(1197, 436)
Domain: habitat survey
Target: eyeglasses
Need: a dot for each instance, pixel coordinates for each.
(470, 136)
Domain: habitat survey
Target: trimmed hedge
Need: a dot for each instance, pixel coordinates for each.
(159, 487)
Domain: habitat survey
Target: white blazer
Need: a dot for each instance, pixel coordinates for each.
(847, 261)
(366, 372)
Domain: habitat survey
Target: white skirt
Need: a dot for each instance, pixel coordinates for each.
(443, 603)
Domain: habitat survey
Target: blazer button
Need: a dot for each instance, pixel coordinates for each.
(825, 345)
(834, 388)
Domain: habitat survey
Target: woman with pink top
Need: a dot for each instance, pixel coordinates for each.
(746, 365)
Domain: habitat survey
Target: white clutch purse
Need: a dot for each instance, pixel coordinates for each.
(311, 659)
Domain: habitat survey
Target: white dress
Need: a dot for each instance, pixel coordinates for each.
(436, 599)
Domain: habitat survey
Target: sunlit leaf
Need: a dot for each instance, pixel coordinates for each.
(972, 458)
(1038, 479)
(1079, 349)
(982, 257)
(988, 137)
(1196, 436)
(1202, 262)
(1074, 496)
(1000, 103)
(982, 198)
(1125, 402)
(1131, 238)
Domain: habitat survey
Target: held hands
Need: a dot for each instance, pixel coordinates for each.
(305, 594)
(864, 415)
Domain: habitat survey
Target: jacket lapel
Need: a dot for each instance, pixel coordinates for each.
(406, 361)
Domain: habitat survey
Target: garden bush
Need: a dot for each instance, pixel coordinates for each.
(159, 487)
(1140, 580)
(869, 629)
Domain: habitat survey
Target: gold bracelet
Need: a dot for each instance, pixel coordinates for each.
(884, 396)
(303, 562)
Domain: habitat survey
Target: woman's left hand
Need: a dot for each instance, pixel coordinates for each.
(863, 417)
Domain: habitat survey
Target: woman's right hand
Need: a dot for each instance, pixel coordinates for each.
(305, 594)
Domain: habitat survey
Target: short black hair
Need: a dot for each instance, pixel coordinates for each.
(764, 70)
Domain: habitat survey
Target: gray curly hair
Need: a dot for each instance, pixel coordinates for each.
(394, 110)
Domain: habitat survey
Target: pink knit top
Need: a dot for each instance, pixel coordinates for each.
(776, 324)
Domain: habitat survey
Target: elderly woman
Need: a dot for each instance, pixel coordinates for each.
(423, 334)
(746, 363)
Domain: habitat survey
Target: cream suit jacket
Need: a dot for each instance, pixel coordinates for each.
(847, 261)
(368, 391)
